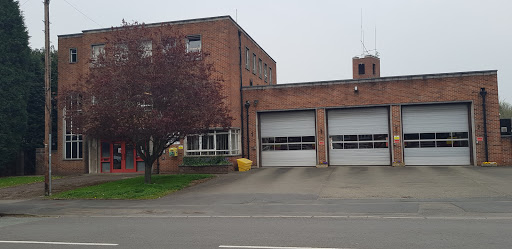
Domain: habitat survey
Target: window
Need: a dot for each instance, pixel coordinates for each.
(265, 72)
(121, 52)
(439, 139)
(97, 50)
(288, 143)
(253, 63)
(250, 82)
(373, 68)
(247, 59)
(270, 76)
(72, 55)
(148, 48)
(72, 140)
(194, 43)
(361, 69)
(260, 68)
(214, 143)
(360, 141)
(73, 145)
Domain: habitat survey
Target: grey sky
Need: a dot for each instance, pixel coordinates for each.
(315, 40)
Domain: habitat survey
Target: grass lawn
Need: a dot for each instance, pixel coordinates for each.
(133, 188)
(6, 182)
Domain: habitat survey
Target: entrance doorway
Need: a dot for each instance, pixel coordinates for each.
(120, 157)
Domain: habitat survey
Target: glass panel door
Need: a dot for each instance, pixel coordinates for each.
(105, 157)
(117, 156)
(129, 157)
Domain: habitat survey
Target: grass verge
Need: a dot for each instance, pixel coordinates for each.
(134, 188)
(12, 181)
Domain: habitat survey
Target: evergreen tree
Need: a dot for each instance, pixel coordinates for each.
(14, 74)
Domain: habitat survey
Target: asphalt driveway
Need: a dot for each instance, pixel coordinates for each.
(363, 183)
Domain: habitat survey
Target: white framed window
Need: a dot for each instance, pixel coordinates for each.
(97, 50)
(247, 59)
(148, 48)
(270, 75)
(265, 72)
(214, 143)
(73, 143)
(194, 43)
(260, 68)
(253, 63)
(73, 56)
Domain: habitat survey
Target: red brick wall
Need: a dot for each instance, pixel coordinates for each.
(219, 37)
(506, 150)
(396, 130)
(368, 62)
(394, 91)
(320, 136)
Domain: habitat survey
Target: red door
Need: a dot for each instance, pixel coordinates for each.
(119, 157)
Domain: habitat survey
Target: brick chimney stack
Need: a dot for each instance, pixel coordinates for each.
(365, 67)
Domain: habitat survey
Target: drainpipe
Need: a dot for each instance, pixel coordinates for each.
(241, 92)
(247, 105)
(484, 93)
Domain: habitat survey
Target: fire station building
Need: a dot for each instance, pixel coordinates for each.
(412, 120)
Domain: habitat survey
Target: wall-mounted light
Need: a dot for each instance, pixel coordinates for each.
(256, 102)
(355, 89)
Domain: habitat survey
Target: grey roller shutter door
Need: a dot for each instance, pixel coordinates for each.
(288, 139)
(359, 136)
(436, 134)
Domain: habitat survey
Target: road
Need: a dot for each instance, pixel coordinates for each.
(285, 208)
(257, 232)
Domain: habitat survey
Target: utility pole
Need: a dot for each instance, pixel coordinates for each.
(48, 101)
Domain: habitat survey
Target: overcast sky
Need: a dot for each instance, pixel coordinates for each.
(316, 40)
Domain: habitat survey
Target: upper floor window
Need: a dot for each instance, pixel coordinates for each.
(97, 50)
(194, 43)
(260, 69)
(374, 68)
(73, 55)
(361, 68)
(270, 75)
(265, 72)
(148, 48)
(254, 63)
(247, 59)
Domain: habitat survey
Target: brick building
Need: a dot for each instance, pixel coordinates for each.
(434, 119)
(235, 56)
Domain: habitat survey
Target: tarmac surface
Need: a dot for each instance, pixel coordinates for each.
(334, 191)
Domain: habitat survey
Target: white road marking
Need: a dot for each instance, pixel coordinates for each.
(57, 243)
(312, 217)
(278, 247)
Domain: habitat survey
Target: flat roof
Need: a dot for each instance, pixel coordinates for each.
(380, 79)
(196, 20)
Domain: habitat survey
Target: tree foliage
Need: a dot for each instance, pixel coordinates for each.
(146, 89)
(505, 109)
(14, 64)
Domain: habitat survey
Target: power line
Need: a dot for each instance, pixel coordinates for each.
(24, 3)
(82, 13)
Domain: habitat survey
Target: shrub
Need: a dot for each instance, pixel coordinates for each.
(205, 161)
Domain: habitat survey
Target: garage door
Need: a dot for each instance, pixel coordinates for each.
(288, 139)
(359, 136)
(436, 135)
